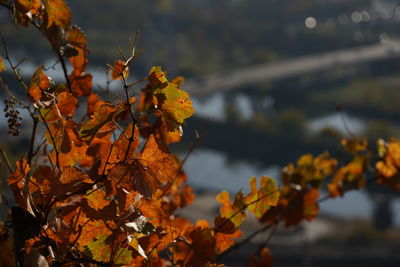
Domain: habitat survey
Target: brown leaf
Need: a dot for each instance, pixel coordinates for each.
(57, 13)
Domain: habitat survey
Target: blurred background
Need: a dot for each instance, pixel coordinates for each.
(270, 81)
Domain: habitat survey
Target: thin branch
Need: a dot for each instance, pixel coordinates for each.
(269, 238)
(6, 160)
(244, 241)
(15, 70)
(52, 139)
(64, 68)
(32, 142)
(188, 153)
(244, 208)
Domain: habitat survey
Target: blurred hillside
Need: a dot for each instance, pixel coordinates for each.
(194, 37)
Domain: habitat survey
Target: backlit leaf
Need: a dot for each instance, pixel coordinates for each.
(77, 38)
(236, 212)
(260, 200)
(103, 115)
(175, 102)
(157, 77)
(39, 83)
(81, 85)
(18, 182)
(2, 67)
(57, 13)
(119, 69)
(96, 200)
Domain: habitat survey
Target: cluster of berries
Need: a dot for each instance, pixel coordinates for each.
(13, 116)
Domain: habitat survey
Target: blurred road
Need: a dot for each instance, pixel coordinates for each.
(291, 67)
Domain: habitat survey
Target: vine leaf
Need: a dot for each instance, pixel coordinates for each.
(224, 238)
(2, 67)
(350, 176)
(18, 182)
(175, 103)
(261, 200)
(103, 115)
(147, 173)
(26, 10)
(118, 69)
(388, 166)
(236, 212)
(264, 259)
(157, 77)
(57, 13)
(38, 84)
(77, 39)
(97, 200)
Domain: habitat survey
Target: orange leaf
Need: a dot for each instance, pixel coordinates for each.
(57, 13)
(175, 103)
(157, 77)
(122, 144)
(73, 175)
(225, 233)
(236, 212)
(261, 200)
(158, 162)
(96, 200)
(67, 104)
(77, 38)
(2, 67)
(39, 83)
(93, 103)
(118, 69)
(103, 115)
(18, 182)
(264, 259)
(81, 85)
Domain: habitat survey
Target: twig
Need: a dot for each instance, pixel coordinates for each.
(245, 206)
(52, 139)
(32, 142)
(6, 160)
(244, 241)
(64, 68)
(269, 238)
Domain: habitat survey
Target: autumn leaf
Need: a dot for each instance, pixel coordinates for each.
(157, 77)
(77, 39)
(147, 173)
(175, 103)
(310, 205)
(124, 147)
(95, 240)
(2, 67)
(388, 166)
(236, 212)
(350, 176)
(64, 108)
(93, 103)
(225, 234)
(119, 69)
(18, 182)
(103, 115)
(261, 200)
(96, 200)
(39, 83)
(263, 259)
(136, 246)
(158, 162)
(57, 13)
(26, 10)
(28, 6)
(81, 85)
